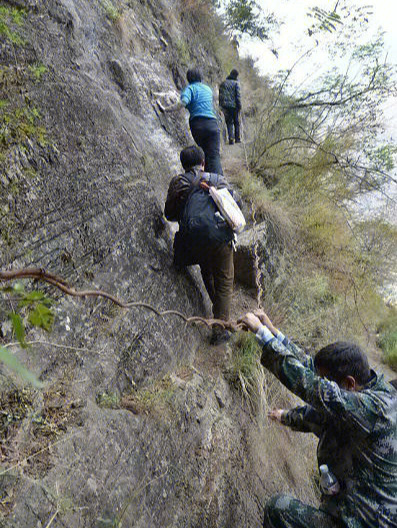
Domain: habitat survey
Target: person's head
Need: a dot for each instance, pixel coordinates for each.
(344, 363)
(233, 75)
(194, 75)
(192, 157)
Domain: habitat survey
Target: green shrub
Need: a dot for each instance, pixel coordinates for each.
(387, 338)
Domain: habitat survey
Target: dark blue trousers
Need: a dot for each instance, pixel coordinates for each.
(232, 123)
(206, 134)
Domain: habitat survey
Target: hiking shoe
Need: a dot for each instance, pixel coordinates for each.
(231, 141)
(219, 336)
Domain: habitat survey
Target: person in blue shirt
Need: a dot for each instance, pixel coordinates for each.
(197, 98)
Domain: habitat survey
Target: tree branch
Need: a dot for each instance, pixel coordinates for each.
(61, 284)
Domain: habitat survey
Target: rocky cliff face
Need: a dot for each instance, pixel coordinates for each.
(136, 425)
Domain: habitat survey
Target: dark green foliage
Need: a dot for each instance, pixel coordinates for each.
(246, 17)
(36, 305)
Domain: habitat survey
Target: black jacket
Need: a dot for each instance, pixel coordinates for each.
(178, 191)
(229, 94)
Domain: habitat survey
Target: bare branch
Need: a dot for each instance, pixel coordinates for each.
(61, 284)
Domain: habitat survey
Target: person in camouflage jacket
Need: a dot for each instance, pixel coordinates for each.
(353, 412)
(230, 103)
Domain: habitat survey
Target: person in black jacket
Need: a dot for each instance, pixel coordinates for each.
(230, 103)
(215, 261)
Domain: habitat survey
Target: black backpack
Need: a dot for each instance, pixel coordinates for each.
(223, 96)
(200, 227)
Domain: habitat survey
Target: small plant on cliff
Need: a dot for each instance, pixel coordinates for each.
(112, 12)
(20, 124)
(11, 17)
(108, 400)
(38, 70)
(27, 309)
(155, 398)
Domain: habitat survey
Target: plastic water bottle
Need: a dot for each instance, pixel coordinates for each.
(328, 482)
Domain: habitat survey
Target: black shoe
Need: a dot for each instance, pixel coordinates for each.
(231, 141)
(219, 336)
(238, 140)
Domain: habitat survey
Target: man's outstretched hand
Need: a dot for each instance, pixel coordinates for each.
(264, 319)
(276, 415)
(251, 321)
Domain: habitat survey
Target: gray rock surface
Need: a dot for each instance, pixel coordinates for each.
(256, 255)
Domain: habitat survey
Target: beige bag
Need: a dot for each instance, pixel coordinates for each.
(228, 208)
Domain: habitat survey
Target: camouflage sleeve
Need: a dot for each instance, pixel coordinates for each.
(304, 358)
(305, 419)
(355, 409)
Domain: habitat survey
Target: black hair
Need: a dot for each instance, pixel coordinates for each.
(194, 75)
(342, 359)
(191, 157)
(233, 75)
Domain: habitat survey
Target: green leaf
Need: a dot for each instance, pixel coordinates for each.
(18, 327)
(11, 361)
(35, 296)
(32, 297)
(42, 317)
(18, 287)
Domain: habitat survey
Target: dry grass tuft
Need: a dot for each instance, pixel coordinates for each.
(154, 399)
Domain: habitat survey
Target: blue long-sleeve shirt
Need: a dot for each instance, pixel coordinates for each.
(198, 99)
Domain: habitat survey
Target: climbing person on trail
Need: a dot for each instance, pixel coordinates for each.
(197, 97)
(353, 412)
(230, 103)
(204, 237)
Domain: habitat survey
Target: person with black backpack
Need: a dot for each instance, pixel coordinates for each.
(230, 103)
(204, 237)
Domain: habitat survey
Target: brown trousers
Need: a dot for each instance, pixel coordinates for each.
(217, 270)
